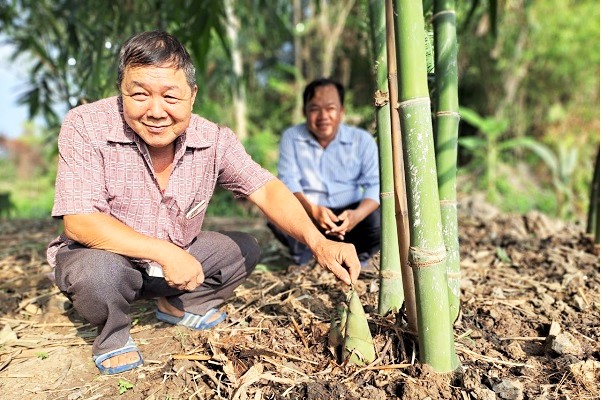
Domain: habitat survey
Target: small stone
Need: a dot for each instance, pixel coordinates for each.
(509, 390)
(565, 344)
(482, 393)
(515, 351)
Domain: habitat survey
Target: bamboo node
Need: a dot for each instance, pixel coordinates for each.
(416, 100)
(385, 274)
(380, 98)
(448, 114)
(441, 13)
(420, 258)
(445, 202)
(386, 194)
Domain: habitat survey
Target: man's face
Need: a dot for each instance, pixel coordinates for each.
(157, 103)
(324, 114)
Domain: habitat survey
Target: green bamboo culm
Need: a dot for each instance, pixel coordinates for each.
(357, 344)
(592, 225)
(427, 254)
(446, 126)
(391, 294)
(398, 167)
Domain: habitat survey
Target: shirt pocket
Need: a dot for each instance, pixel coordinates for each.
(191, 221)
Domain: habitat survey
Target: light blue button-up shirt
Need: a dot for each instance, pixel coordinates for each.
(345, 172)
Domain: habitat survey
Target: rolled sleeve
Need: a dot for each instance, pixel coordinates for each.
(238, 172)
(80, 176)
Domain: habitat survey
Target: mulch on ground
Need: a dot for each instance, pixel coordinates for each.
(529, 326)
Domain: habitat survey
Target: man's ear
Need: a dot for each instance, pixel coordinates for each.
(193, 98)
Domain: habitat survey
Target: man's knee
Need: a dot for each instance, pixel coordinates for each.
(92, 270)
(249, 247)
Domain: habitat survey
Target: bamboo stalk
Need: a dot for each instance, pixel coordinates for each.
(402, 212)
(592, 225)
(427, 253)
(391, 294)
(446, 136)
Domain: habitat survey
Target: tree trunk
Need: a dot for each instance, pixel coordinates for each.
(592, 225)
(238, 91)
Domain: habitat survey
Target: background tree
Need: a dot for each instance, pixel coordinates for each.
(541, 69)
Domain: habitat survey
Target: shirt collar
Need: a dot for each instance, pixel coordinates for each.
(343, 135)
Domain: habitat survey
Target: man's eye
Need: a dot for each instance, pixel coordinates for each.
(171, 99)
(139, 96)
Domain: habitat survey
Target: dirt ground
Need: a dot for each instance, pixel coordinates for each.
(529, 327)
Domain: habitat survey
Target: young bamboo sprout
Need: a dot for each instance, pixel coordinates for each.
(357, 345)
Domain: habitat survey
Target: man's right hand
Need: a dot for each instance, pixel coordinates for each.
(340, 258)
(181, 270)
(104, 232)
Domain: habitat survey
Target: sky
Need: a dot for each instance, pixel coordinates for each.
(12, 80)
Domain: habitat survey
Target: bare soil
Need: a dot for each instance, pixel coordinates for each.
(529, 326)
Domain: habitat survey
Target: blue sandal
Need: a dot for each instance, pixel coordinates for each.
(193, 321)
(130, 346)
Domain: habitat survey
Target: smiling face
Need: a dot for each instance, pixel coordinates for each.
(157, 103)
(324, 114)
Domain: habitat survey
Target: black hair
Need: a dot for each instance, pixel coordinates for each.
(309, 92)
(155, 48)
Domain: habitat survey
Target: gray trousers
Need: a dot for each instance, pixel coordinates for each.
(102, 285)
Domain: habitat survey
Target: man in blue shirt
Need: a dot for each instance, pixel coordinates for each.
(332, 168)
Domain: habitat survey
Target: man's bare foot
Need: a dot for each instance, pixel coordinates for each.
(121, 359)
(165, 307)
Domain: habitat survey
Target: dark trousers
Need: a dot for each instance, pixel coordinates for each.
(365, 236)
(102, 285)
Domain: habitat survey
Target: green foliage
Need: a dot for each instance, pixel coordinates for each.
(42, 355)
(32, 199)
(526, 194)
(540, 74)
(263, 148)
(223, 203)
(533, 65)
(124, 386)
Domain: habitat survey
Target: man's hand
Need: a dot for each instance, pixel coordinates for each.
(291, 215)
(181, 270)
(347, 220)
(340, 258)
(324, 218)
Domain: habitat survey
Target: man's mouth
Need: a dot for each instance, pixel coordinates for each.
(155, 128)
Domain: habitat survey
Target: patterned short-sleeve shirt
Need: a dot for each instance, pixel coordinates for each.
(104, 166)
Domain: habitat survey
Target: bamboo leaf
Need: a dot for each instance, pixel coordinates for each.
(471, 117)
(472, 142)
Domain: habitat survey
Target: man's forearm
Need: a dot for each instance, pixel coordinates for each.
(365, 208)
(101, 231)
(286, 211)
(307, 205)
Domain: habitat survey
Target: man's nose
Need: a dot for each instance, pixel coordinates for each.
(156, 110)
